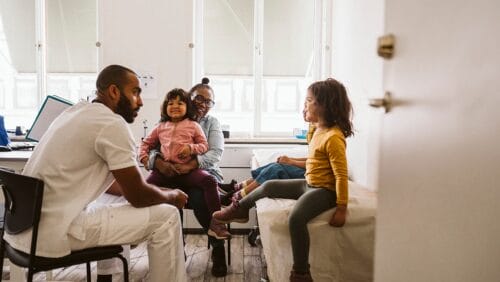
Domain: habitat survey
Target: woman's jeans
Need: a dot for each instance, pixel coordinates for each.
(277, 171)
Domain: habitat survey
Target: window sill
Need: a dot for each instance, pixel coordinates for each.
(279, 140)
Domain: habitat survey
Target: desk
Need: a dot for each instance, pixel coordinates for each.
(14, 159)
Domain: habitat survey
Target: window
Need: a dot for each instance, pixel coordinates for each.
(67, 67)
(18, 78)
(71, 49)
(260, 57)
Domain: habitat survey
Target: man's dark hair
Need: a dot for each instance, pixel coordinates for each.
(112, 74)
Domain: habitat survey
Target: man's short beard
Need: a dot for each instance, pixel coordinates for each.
(124, 108)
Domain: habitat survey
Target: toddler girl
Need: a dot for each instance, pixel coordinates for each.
(180, 139)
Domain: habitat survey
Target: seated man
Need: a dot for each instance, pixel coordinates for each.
(84, 151)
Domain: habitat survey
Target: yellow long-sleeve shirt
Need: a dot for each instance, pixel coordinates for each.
(326, 164)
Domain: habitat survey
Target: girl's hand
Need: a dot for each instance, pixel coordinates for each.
(145, 162)
(338, 218)
(185, 152)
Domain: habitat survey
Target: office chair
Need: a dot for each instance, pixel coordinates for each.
(23, 204)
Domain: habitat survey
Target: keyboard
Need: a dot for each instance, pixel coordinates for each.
(22, 145)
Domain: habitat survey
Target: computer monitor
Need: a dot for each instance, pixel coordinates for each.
(52, 107)
(4, 137)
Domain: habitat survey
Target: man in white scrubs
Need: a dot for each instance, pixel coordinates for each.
(87, 148)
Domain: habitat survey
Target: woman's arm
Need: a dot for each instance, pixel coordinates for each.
(215, 145)
(298, 162)
(200, 145)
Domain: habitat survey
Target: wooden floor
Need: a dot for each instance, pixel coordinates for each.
(247, 263)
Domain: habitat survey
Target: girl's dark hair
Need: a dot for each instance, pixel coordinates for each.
(203, 85)
(184, 97)
(331, 96)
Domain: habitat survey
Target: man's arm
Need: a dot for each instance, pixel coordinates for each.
(115, 189)
(141, 194)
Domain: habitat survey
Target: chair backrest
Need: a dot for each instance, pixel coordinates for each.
(23, 201)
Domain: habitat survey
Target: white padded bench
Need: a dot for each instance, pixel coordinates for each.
(336, 254)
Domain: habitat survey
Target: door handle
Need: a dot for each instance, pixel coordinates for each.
(385, 102)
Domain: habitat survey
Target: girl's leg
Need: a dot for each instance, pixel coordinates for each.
(286, 189)
(238, 210)
(158, 179)
(309, 205)
(203, 180)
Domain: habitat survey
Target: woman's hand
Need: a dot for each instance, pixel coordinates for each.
(145, 162)
(166, 168)
(187, 167)
(185, 152)
(284, 160)
(338, 217)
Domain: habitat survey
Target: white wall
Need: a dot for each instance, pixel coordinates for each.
(356, 26)
(151, 37)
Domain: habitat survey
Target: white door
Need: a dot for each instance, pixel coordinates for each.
(439, 184)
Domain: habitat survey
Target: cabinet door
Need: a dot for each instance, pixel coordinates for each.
(238, 174)
(236, 157)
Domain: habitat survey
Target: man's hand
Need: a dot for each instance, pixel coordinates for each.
(176, 197)
(185, 152)
(166, 168)
(338, 218)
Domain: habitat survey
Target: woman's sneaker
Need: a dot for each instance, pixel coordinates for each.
(218, 230)
(226, 199)
(233, 212)
(229, 188)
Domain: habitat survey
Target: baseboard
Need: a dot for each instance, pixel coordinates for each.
(235, 231)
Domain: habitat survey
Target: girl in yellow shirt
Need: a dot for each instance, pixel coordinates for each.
(325, 186)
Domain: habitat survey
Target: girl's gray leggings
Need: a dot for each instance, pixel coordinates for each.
(310, 203)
